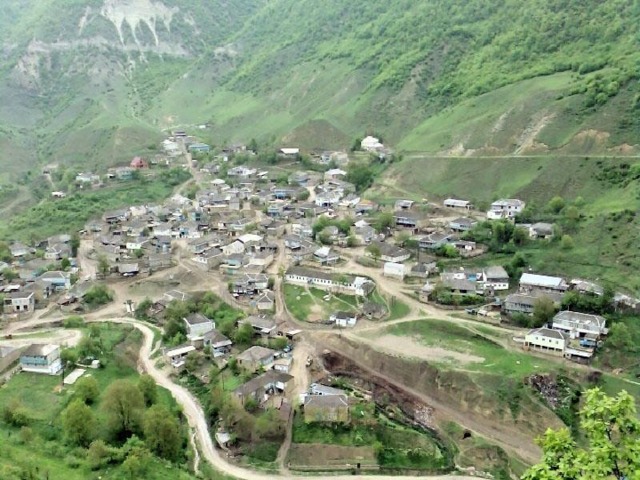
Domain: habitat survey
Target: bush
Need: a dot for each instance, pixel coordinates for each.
(97, 295)
(74, 321)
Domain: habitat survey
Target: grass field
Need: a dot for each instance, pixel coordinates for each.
(310, 305)
(498, 364)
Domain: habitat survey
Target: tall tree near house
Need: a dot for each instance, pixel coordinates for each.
(374, 251)
(103, 265)
(162, 432)
(543, 311)
(123, 405)
(612, 432)
(78, 423)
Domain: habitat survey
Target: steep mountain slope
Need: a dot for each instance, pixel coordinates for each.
(91, 81)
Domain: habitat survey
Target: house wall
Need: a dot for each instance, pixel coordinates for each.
(540, 341)
(200, 329)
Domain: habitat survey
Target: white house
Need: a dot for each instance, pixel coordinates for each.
(546, 339)
(197, 325)
(39, 358)
(344, 319)
(505, 208)
(457, 203)
(371, 144)
(580, 324)
(495, 278)
(395, 270)
(177, 355)
(233, 248)
(20, 302)
(328, 281)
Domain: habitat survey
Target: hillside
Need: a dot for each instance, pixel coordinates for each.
(90, 88)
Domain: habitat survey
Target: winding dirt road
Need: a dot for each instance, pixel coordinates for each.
(198, 422)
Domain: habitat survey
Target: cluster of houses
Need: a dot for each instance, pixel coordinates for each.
(35, 273)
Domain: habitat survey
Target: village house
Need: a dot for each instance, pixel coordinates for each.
(435, 240)
(344, 319)
(541, 231)
(265, 385)
(394, 270)
(371, 144)
(262, 324)
(391, 253)
(579, 325)
(326, 256)
(525, 303)
(456, 203)
(197, 325)
(495, 278)
(20, 302)
(219, 344)
(335, 174)
(408, 219)
(462, 224)
(177, 355)
(506, 208)
(56, 280)
(138, 163)
(266, 301)
(423, 269)
(326, 409)
(18, 250)
(546, 340)
(283, 364)
(327, 281)
(40, 358)
(256, 357)
(531, 282)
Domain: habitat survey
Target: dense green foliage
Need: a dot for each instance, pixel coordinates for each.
(49, 432)
(611, 429)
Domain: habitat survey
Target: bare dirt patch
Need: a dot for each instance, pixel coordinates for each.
(410, 347)
(314, 455)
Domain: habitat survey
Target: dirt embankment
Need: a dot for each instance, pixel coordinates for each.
(444, 396)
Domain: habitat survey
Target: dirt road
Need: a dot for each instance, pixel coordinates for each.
(198, 422)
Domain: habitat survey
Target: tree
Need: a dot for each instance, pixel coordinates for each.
(520, 236)
(374, 251)
(351, 241)
(123, 404)
(78, 423)
(97, 295)
(147, 385)
(566, 243)
(253, 145)
(556, 204)
(103, 265)
(361, 176)
(87, 390)
(142, 309)
(162, 433)
(543, 311)
(619, 338)
(384, 221)
(244, 334)
(15, 414)
(74, 244)
(612, 433)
